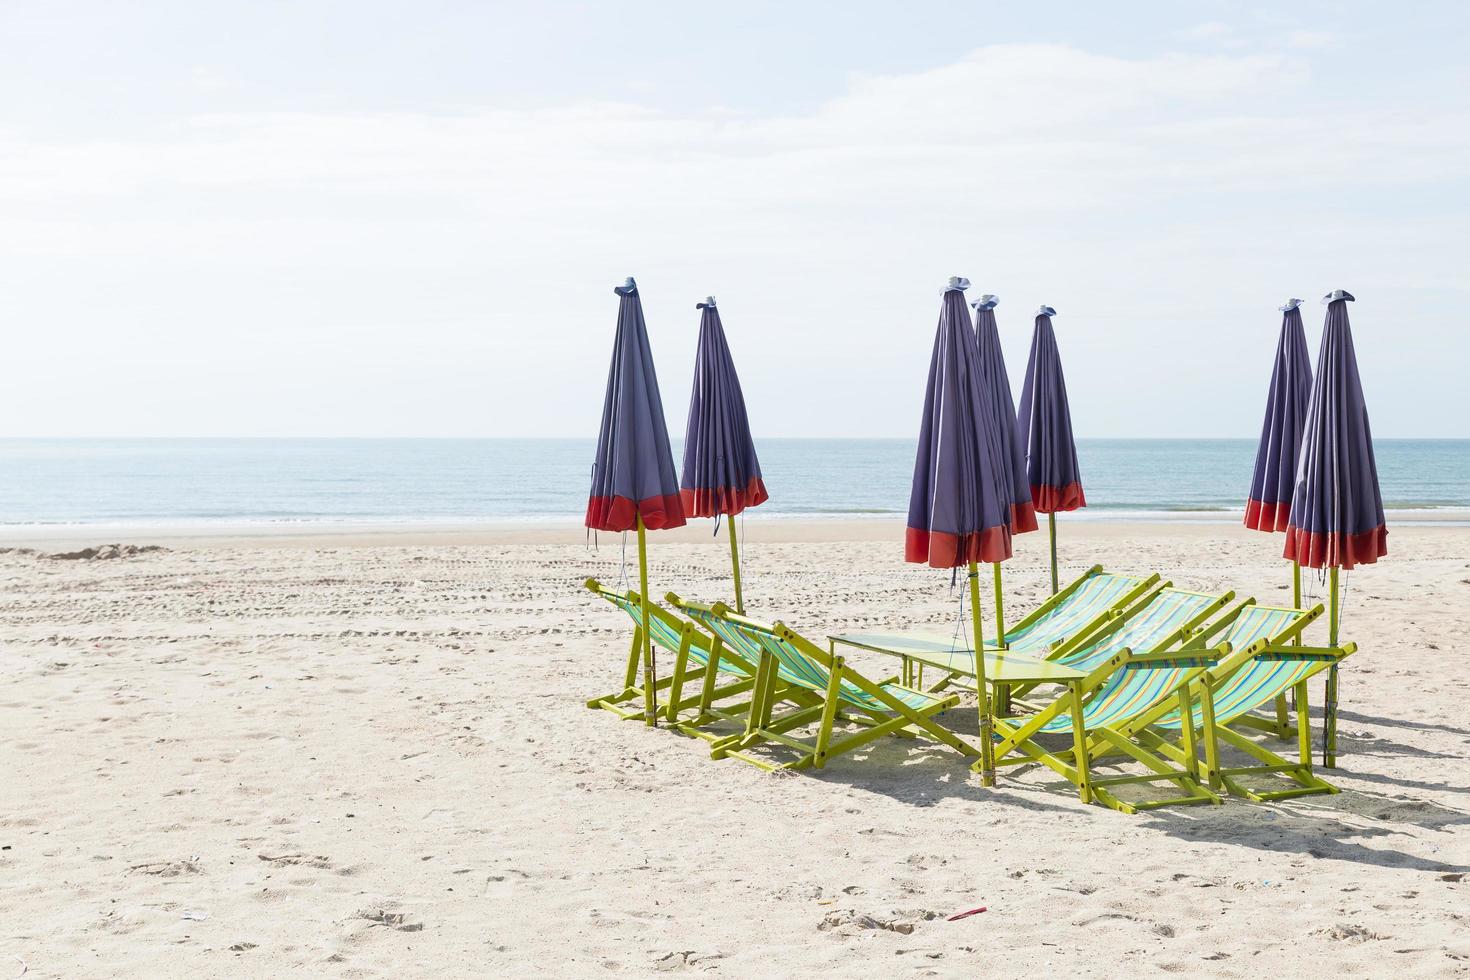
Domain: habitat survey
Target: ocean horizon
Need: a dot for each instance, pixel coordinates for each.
(143, 482)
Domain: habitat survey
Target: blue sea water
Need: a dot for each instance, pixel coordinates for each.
(188, 481)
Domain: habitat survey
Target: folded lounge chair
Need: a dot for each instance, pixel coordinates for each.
(1267, 663)
(879, 707)
(1092, 710)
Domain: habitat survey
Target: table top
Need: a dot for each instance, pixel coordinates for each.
(1001, 666)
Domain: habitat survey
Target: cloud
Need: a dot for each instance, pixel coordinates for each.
(1115, 183)
(1210, 30)
(1311, 39)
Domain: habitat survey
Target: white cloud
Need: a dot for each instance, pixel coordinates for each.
(1118, 184)
(1312, 39)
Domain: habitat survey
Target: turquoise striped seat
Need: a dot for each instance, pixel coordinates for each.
(1095, 596)
(668, 638)
(796, 668)
(1263, 678)
(1145, 631)
(733, 637)
(1132, 690)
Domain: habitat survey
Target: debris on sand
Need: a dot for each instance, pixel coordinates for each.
(105, 552)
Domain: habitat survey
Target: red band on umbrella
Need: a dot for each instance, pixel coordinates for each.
(1050, 500)
(1263, 515)
(1023, 518)
(942, 550)
(710, 501)
(620, 513)
(1342, 550)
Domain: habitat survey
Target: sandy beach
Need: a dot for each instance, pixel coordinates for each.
(367, 755)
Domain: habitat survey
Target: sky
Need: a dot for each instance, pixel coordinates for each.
(406, 219)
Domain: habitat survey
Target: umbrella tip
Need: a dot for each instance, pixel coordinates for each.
(1338, 294)
(1044, 310)
(628, 288)
(708, 304)
(987, 302)
(1291, 304)
(957, 283)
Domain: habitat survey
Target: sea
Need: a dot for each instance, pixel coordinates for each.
(203, 482)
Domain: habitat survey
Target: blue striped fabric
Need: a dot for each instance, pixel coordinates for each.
(1258, 681)
(795, 667)
(1127, 694)
(1096, 595)
(669, 639)
(734, 638)
(1168, 611)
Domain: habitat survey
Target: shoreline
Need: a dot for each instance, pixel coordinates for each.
(767, 529)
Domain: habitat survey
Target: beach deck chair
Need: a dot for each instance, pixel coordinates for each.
(879, 708)
(1269, 661)
(1093, 711)
(1086, 605)
(697, 657)
(1162, 618)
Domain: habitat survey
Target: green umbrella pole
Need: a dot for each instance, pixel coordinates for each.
(650, 714)
(1000, 610)
(987, 749)
(735, 564)
(1051, 527)
(1329, 717)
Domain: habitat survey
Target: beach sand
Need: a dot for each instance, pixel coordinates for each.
(367, 755)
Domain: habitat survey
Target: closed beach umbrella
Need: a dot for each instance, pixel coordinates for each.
(1044, 429)
(956, 514)
(634, 485)
(1336, 508)
(1268, 508)
(1010, 460)
(721, 472)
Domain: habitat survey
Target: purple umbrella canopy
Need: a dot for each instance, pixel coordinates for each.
(633, 474)
(1044, 425)
(956, 511)
(1268, 507)
(1010, 460)
(1336, 509)
(721, 472)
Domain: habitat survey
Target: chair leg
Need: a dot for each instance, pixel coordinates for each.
(707, 689)
(1079, 746)
(1283, 718)
(1211, 734)
(829, 709)
(1303, 725)
(681, 663)
(1186, 733)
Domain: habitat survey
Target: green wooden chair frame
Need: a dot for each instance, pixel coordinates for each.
(878, 708)
(1259, 673)
(1092, 710)
(697, 657)
(1055, 622)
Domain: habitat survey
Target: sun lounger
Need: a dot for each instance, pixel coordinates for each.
(1162, 618)
(878, 707)
(694, 651)
(1267, 663)
(1073, 614)
(1092, 711)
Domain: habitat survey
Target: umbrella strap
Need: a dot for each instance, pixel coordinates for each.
(623, 583)
(959, 616)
